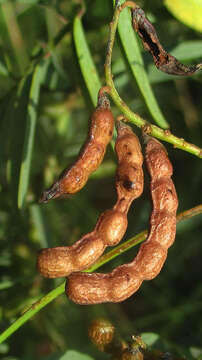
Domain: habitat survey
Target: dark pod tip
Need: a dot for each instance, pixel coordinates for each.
(146, 138)
(44, 197)
(123, 128)
(120, 123)
(137, 13)
(52, 193)
(103, 101)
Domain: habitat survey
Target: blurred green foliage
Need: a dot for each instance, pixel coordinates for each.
(44, 108)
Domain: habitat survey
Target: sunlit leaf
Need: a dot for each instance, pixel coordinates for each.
(187, 11)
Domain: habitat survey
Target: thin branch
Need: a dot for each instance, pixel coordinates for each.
(38, 305)
(134, 118)
(45, 300)
(187, 214)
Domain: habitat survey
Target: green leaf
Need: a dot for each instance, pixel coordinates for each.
(107, 168)
(31, 117)
(6, 283)
(15, 38)
(188, 50)
(132, 51)
(196, 352)
(4, 348)
(41, 225)
(86, 62)
(57, 64)
(69, 355)
(149, 338)
(187, 11)
(3, 69)
(14, 132)
(75, 355)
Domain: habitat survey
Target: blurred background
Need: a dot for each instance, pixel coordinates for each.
(44, 110)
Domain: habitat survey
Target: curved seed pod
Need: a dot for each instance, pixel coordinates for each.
(124, 280)
(112, 224)
(91, 155)
(163, 60)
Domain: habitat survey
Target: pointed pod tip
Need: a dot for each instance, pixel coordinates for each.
(44, 198)
(51, 193)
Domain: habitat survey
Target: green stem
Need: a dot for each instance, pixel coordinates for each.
(45, 300)
(134, 118)
(187, 214)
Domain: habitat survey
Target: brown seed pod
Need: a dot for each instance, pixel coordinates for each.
(105, 337)
(91, 155)
(101, 333)
(112, 224)
(163, 60)
(124, 280)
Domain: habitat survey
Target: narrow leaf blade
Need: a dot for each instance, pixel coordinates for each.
(86, 62)
(31, 117)
(133, 54)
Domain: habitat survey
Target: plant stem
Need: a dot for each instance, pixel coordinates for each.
(45, 300)
(187, 214)
(134, 118)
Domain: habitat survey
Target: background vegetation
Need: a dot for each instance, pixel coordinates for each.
(44, 112)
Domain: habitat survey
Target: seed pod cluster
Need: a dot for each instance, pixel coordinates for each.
(69, 261)
(126, 279)
(112, 224)
(91, 155)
